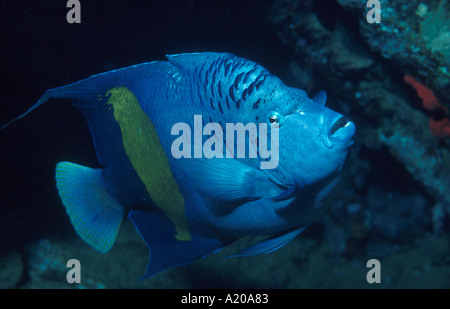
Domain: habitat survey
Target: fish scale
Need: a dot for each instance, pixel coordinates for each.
(231, 68)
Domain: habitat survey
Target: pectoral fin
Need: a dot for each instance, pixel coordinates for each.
(224, 179)
(270, 244)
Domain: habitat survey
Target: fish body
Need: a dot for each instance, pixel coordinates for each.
(188, 207)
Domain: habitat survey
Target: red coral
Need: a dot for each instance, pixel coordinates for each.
(429, 101)
(439, 128)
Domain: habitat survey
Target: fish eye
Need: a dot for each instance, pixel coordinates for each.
(274, 118)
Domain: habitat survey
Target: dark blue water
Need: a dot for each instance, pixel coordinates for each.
(389, 205)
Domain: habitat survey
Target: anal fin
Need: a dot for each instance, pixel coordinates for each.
(165, 250)
(94, 214)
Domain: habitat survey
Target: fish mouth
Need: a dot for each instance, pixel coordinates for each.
(340, 132)
(339, 124)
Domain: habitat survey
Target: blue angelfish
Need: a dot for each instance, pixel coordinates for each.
(188, 207)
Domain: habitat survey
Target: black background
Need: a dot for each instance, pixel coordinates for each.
(40, 50)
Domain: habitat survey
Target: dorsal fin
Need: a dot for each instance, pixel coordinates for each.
(321, 97)
(192, 61)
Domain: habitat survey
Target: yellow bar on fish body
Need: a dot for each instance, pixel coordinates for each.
(144, 149)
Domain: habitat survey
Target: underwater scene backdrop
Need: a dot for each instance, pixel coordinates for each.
(386, 70)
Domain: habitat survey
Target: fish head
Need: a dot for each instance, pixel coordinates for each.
(313, 139)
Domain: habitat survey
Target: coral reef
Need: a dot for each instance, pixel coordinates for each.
(435, 28)
(413, 34)
(366, 68)
(304, 263)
